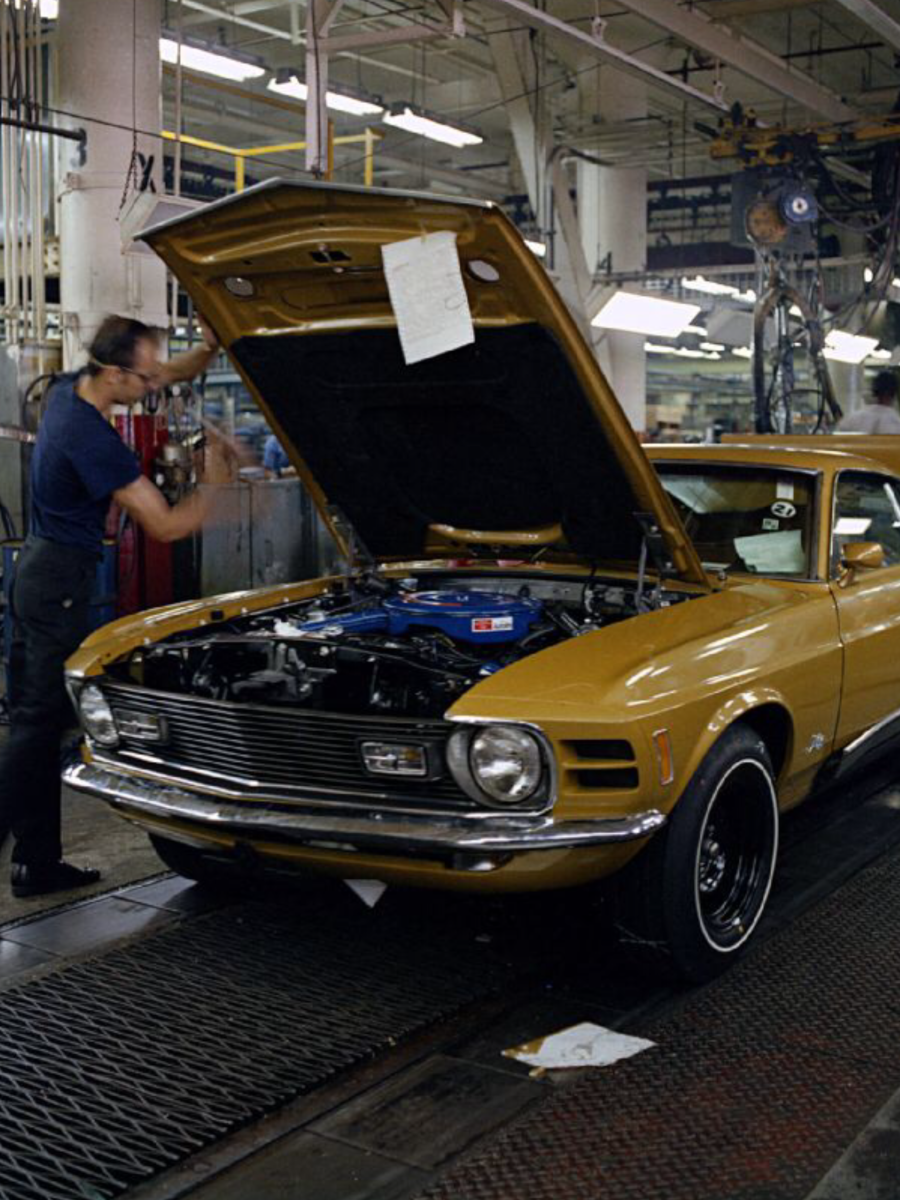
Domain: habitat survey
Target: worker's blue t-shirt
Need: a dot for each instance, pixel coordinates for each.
(274, 456)
(78, 462)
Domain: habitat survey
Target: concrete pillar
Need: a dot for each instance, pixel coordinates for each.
(849, 385)
(108, 71)
(612, 207)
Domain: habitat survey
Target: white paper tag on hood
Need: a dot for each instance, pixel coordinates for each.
(428, 295)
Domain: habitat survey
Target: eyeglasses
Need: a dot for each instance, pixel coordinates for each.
(144, 377)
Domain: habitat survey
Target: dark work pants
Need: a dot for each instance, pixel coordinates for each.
(51, 615)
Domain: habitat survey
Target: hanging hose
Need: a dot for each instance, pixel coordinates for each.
(780, 295)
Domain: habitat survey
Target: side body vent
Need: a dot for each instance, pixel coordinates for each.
(601, 765)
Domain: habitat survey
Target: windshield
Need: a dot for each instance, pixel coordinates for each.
(753, 519)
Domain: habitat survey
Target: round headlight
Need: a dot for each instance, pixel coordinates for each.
(97, 717)
(506, 763)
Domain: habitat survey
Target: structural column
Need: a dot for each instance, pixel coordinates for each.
(848, 381)
(612, 212)
(109, 80)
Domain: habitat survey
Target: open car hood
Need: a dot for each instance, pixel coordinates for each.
(514, 443)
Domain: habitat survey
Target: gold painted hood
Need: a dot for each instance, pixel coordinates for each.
(515, 442)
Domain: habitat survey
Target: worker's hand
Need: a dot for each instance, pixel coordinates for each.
(209, 338)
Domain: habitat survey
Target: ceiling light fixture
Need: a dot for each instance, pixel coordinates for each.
(537, 248)
(699, 284)
(630, 312)
(679, 351)
(403, 116)
(48, 9)
(226, 64)
(848, 347)
(356, 106)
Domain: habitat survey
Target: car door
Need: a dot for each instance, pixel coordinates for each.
(866, 508)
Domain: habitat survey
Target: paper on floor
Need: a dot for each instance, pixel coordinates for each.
(584, 1045)
(428, 295)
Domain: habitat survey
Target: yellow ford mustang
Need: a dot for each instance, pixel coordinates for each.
(553, 658)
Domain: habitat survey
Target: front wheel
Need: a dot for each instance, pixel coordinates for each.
(691, 901)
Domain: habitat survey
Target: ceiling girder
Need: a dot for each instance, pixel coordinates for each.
(749, 57)
(722, 10)
(876, 18)
(594, 43)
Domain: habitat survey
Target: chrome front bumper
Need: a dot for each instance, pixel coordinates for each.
(389, 833)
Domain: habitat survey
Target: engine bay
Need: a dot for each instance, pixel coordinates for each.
(374, 645)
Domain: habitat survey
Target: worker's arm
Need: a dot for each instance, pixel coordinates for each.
(192, 362)
(145, 503)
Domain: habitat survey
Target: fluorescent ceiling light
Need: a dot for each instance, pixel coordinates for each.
(881, 354)
(210, 62)
(678, 351)
(742, 352)
(633, 313)
(537, 248)
(711, 346)
(336, 100)
(439, 131)
(48, 9)
(848, 347)
(701, 329)
(699, 284)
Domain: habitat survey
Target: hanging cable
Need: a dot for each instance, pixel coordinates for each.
(131, 175)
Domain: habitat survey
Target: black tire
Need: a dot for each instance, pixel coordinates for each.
(689, 903)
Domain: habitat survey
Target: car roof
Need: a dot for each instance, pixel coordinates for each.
(803, 458)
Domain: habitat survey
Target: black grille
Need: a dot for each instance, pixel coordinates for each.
(298, 750)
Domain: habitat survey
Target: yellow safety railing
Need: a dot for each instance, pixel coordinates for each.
(240, 154)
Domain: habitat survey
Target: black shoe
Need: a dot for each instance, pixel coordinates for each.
(38, 879)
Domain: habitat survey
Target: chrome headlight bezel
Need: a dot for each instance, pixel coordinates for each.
(473, 779)
(96, 716)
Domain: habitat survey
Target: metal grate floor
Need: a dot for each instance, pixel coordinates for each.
(115, 1068)
(756, 1085)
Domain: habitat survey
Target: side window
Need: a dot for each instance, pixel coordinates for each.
(867, 509)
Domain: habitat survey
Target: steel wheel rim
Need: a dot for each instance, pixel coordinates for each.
(736, 854)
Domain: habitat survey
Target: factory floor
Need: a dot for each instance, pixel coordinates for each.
(161, 1042)
(92, 837)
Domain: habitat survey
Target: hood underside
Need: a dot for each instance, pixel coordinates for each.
(513, 441)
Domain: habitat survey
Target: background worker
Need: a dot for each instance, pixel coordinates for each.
(881, 415)
(275, 460)
(79, 464)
